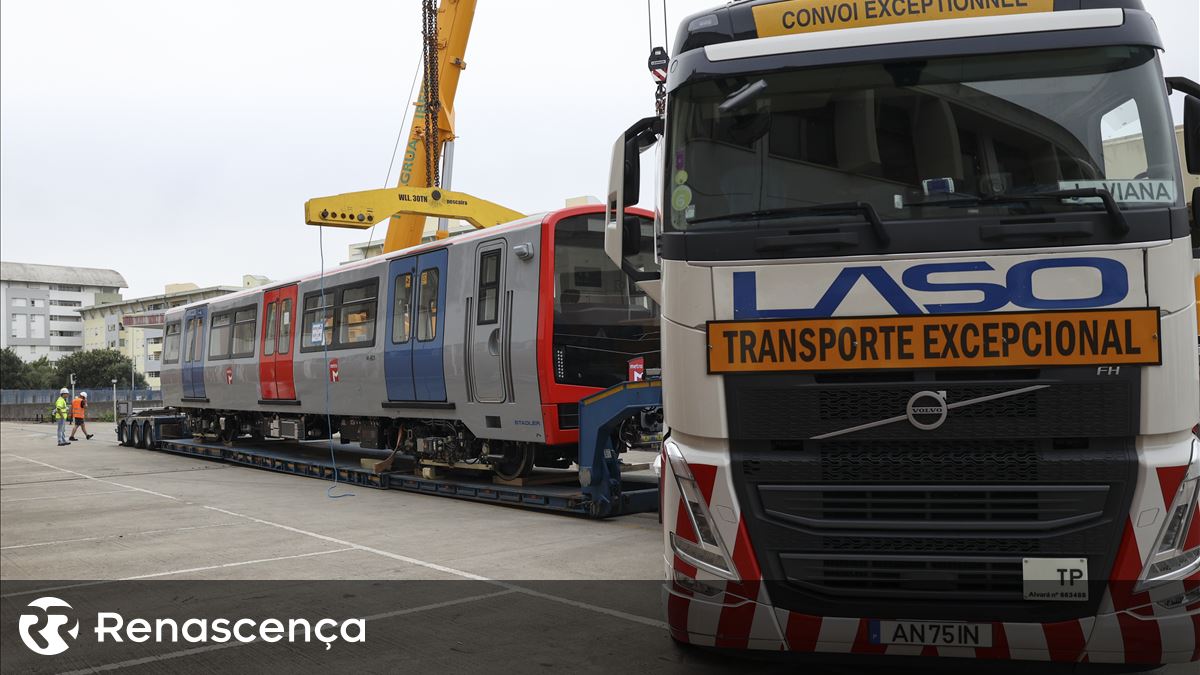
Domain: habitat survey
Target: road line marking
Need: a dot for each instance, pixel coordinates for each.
(158, 658)
(237, 564)
(644, 620)
(456, 572)
(114, 536)
(436, 605)
(156, 575)
(84, 494)
(368, 549)
(102, 480)
(394, 556)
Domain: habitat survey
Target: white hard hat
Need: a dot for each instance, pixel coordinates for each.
(83, 394)
(64, 390)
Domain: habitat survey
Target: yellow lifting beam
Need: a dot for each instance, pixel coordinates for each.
(361, 210)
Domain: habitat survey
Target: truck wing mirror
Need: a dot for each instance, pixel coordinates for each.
(631, 237)
(1191, 134)
(1196, 211)
(622, 238)
(1191, 121)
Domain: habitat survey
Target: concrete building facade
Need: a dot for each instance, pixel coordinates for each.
(41, 304)
(134, 327)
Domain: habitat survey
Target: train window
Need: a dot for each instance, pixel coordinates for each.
(402, 309)
(489, 287)
(171, 343)
(318, 309)
(356, 316)
(191, 347)
(218, 337)
(272, 329)
(243, 333)
(601, 319)
(285, 326)
(197, 347)
(427, 306)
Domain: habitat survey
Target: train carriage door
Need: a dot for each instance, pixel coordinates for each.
(266, 351)
(275, 360)
(398, 343)
(429, 380)
(285, 382)
(488, 322)
(194, 349)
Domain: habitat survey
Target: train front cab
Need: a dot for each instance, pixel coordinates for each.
(592, 320)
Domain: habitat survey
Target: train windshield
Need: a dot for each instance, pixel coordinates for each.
(602, 320)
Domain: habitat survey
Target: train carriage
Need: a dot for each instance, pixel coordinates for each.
(474, 349)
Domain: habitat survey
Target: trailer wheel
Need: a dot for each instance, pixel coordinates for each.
(135, 435)
(517, 462)
(148, 436)
(121, 431)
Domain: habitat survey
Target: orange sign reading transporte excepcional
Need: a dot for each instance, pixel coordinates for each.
(1067, 338)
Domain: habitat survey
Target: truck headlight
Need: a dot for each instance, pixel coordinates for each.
(1169, 560)
(709, 552)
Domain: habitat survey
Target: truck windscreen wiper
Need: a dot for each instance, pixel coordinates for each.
(1120, 225)
(863, 208)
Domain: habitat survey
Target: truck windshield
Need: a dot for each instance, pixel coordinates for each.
(942, 138)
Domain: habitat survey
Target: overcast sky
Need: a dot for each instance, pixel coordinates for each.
(178, 141)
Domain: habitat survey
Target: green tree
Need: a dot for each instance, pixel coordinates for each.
(97, 368)
(42, 374)
(14, 373)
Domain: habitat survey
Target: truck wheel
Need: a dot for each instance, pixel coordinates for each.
(122, 430)
(148, 436)
(135, 435)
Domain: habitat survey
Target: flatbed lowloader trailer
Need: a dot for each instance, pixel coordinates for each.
(600, 487)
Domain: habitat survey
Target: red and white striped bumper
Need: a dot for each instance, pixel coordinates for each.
(1146, 627)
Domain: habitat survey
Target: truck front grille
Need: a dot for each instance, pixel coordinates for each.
(947, 578)
(931, 529)
(935, 507)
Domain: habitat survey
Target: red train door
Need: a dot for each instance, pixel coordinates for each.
(275, 354)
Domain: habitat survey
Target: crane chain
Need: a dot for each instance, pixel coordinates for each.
(430, 91)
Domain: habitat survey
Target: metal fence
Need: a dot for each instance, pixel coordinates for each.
(18, 396)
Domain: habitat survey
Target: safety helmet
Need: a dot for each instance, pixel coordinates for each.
(64, 390)
(83, 394)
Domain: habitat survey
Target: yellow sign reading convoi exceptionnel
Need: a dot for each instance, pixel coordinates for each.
(809, 16)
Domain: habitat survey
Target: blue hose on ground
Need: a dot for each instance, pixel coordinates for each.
(325, 352)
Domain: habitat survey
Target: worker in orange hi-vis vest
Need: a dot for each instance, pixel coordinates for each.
(78, 413)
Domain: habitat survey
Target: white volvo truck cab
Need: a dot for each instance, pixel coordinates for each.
(929, 328)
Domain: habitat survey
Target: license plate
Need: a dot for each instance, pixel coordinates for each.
(938, 633)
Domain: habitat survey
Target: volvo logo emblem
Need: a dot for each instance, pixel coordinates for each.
(927, 410)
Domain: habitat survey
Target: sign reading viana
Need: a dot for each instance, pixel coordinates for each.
(808, 16)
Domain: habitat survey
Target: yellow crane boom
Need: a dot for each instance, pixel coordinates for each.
(361, 210)
(454, 27)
